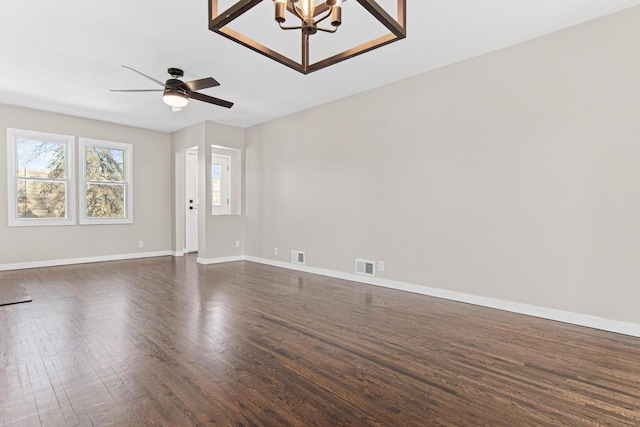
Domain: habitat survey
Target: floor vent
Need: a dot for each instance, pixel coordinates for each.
(297, 257)
(365, 267)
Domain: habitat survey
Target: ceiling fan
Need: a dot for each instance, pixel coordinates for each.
(177, 93)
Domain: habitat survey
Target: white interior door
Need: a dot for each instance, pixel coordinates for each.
(191, 193)
(221, 184)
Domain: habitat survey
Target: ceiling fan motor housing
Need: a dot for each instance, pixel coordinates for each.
(176, 73)
(174, 85)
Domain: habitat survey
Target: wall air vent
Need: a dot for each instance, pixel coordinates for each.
(365, 267)
(297, 257)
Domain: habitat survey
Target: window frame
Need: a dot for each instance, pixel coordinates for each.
(12, 177)
(83, 143)
(235, 188)
(225, 190)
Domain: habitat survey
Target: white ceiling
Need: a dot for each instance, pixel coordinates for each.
(65, 55)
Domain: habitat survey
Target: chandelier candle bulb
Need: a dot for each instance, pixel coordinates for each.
(281, 10)
(336, 15)
(308, 9)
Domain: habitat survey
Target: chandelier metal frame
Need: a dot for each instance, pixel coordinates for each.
(218, 22)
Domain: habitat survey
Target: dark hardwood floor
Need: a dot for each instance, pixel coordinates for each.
(164, 341)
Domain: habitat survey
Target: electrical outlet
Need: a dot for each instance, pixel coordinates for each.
(275, 251)
(380, 265)
(141, 243)
(237, 243)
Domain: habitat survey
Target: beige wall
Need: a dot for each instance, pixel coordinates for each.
(217, 235)
(514, 175)
(151, 203)
(182, 140)
(222, 231)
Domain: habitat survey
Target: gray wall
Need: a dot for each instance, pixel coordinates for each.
(217, 235)
(151, 203)
(513, 175)
(222, 231)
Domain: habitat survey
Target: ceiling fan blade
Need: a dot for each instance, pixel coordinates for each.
(136, 90)
(144, 75)
(210, 99)
(200, 84)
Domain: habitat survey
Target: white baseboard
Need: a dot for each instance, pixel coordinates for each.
(594, 322)
(69, 261)
(207, 261)
(589, 321)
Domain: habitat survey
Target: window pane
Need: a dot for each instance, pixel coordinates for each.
(105, 164)
(105, 182)
(216, 183)
(41, 199)
(40, 159)
(105, 201)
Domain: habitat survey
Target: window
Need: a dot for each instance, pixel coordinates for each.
(40, 178)
(105, 182)
(220, 184)
(225, 180)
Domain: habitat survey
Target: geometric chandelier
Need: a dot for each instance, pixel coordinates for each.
(309, 17)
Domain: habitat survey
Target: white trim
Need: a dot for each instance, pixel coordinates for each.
(83, 143)
(12, 175)
(579, 319)
(69, 261)
(208, 261)
(178, 253)
(586, 320)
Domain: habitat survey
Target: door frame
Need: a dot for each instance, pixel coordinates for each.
(179, 207)
(190, 246)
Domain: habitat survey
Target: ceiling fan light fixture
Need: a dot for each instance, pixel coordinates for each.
(312, 17)
(175, 98)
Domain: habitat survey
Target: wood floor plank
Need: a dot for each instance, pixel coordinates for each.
(165, 341)
(13, 292)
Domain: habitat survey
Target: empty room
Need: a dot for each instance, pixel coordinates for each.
(320, 213)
